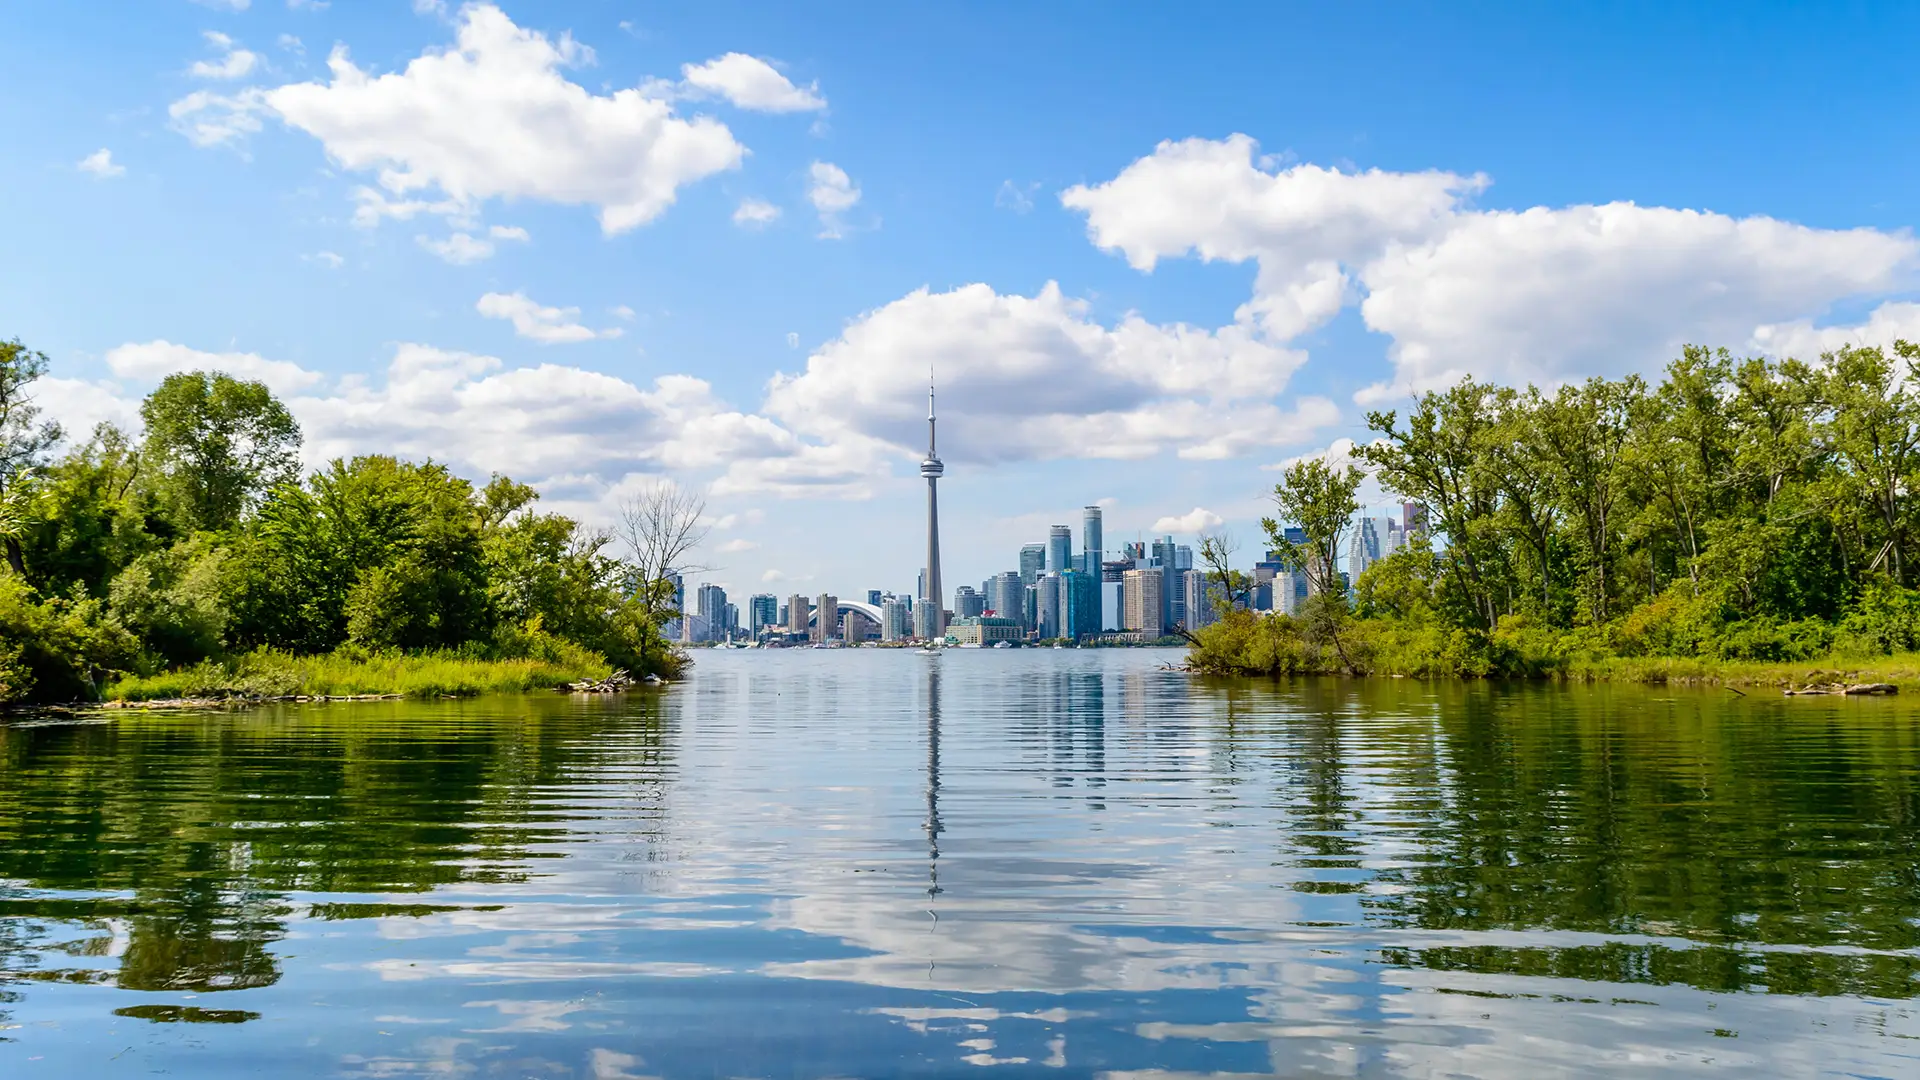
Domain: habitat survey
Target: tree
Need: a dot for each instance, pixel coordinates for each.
(217, 445)
(25, 440)
(1321, 500)
(661, 527)
(1872, 422)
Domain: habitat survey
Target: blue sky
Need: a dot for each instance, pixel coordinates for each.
(1154, 253)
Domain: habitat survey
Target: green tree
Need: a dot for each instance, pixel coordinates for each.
(1321, 500)
(217, 445)
(1872, 423)
(25, 440)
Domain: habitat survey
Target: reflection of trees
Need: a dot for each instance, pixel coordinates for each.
(184, 835)
(1639, 836)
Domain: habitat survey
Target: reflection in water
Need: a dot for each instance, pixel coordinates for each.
(866, 862)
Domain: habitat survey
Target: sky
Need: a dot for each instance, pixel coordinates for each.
(1151, 254)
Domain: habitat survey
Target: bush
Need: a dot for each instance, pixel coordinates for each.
(57, 649)
(174, 602)
(1886, 620)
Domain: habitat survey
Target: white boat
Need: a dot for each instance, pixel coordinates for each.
(1003, 644)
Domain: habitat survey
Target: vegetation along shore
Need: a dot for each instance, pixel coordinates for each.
(1743, 522)
(196, 561)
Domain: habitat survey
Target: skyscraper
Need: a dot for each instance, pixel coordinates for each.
(1091, 538)
(1199, 605)
(827, 623)
(1007, 595)
(797, 611)
(968, 604)
(1079, 604)
(1033, 562)
(1047, 611)
(1059, 548)
(710, 604)
(763, 613)
(933, 470)
(1142, 601)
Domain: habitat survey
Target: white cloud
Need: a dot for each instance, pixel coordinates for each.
(155, 360)
(832, 192)
(1899, 321)
(462, 248)
(1547, 295)
(1015, 197)
(210, 119)
(493, 117)
(100, 164)
(793, 340)
(225, 5)
(621, 311)
(1196, 520)
(1542, 294)
(328, 259)
(1025, 378)
(234, 62)
(308, 5)
(738, 544)
(755, 213)
(292, 44)
(751, 83)
(548, 325)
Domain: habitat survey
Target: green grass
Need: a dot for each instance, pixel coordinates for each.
(269, 673)
(1902, 670)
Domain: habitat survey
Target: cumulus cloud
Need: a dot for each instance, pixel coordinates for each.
(832, 193)
(753, 213)
(547, 325)
(155, 360)
(209, 119)
(100, 164)
(1193, 521)
(493, 116)
(1540, 294)
(1899, 321)
(750, 83)
(1035, 377)
(462, 248)
(234, 62)
(738, 544)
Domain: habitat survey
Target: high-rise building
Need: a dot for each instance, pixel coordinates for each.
(1047, 610)
(1199, 605)
(1363, 547)
(893, 621)
(826, 623)
(763, 613)
(932, 469)
(1079, 604)
(1091, 538)
(1182, 557)
(1173, 603)
(673, 629)
(967, 603)
(798, 610)
(710, 604)
(1006, 596)
(1033, 562)
(1059, 548)
(1142, 601)
(873, 597)
(1413, 519)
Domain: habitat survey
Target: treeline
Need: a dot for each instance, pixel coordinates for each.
(201, 541)
(1739, 510)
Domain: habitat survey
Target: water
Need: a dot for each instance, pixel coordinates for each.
(1046, 863)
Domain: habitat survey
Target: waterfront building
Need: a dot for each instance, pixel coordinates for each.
(826, 623)
(1413, 520)
(1032, 606)
(1165, 558)
(873, 597)
(1199, 605)
(1363, 546)
(1092, 536)
(1079, 604)
(1143, 602)
(1047, 606)
(762, 613)
(710, 604)
(1007, 596)
(798, 609)
(932, 469)
(1033, 562)
(894, 624)
(967, 603)
(985, 630)
(1059, 548)
(674, 628)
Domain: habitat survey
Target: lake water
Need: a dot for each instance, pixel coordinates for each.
(1008, 862)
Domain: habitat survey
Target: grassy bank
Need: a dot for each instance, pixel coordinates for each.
(1243, 644)
(270, 673)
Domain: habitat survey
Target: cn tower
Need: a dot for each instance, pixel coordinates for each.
(932, 470)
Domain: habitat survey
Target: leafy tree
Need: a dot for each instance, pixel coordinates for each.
(25, 440)
(1321, 500)
(94, 517)
(217, 445)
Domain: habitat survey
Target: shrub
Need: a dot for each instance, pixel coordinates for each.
(1886, 620)
(57, 649)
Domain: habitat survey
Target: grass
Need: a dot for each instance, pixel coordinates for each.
(1902, 670)
(270, 673)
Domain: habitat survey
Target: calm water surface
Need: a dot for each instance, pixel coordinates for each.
(1045, 863)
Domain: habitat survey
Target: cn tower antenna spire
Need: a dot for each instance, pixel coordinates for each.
(935, 623)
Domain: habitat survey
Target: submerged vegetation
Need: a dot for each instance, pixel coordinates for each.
(197, 561)
(1742, 521)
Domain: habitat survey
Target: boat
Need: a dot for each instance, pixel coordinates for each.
(1003, 644)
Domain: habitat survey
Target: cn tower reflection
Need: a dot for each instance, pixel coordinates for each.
(933, 826)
